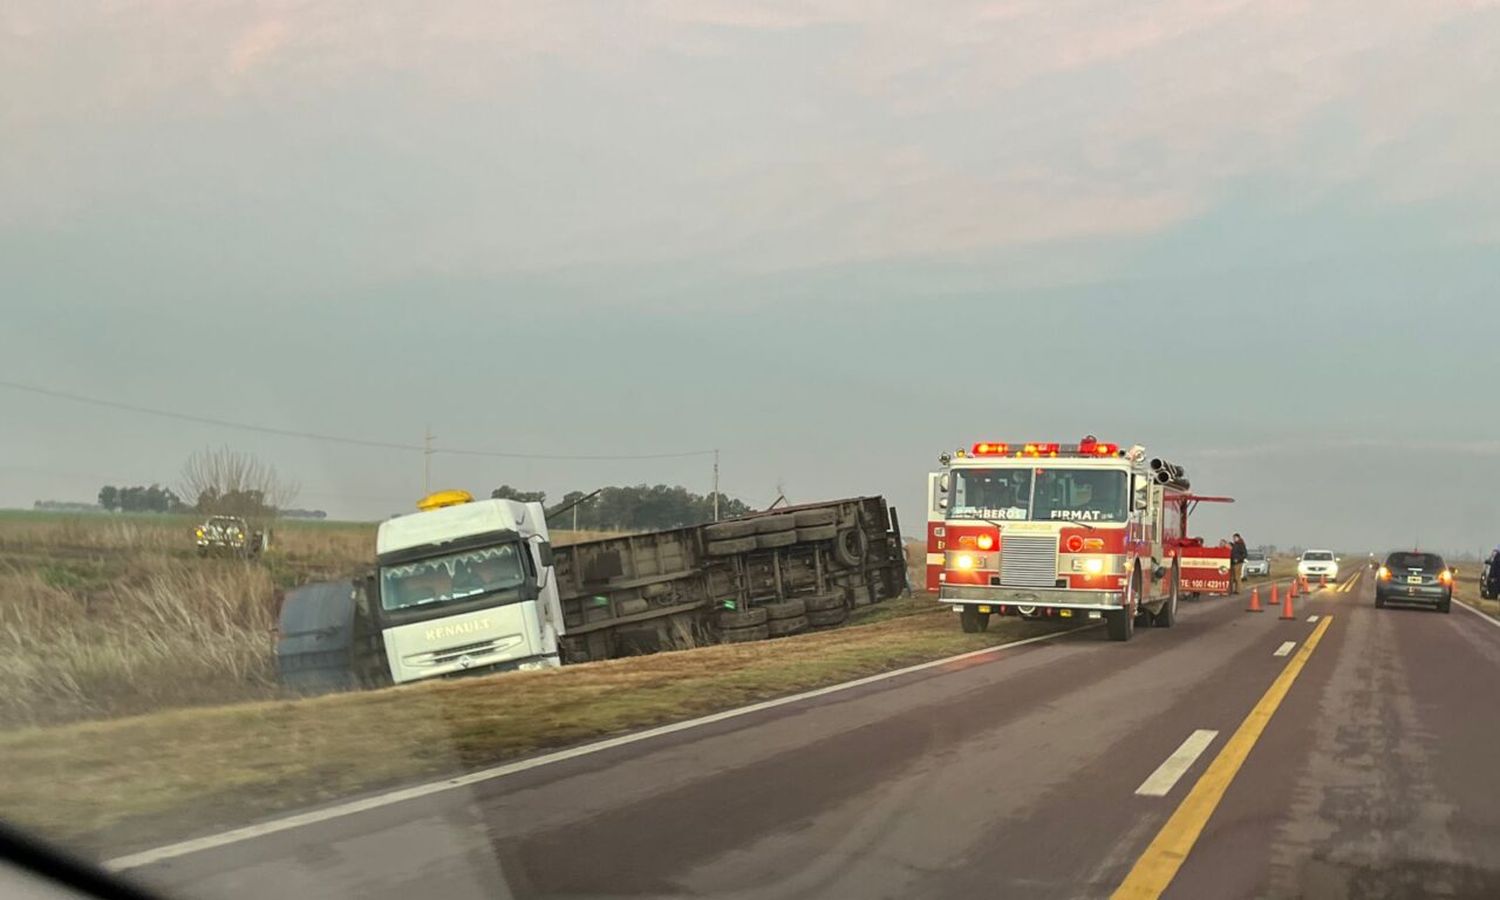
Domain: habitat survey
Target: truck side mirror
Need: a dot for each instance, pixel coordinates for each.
(942, 503)
(943, 483)
(544, 553)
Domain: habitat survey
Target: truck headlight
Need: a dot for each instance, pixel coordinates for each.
(963, 561)
(1092, 566)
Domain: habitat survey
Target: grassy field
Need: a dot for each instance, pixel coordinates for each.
(109, 615)
(134, 781)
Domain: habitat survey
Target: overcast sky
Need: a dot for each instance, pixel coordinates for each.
(830, 237)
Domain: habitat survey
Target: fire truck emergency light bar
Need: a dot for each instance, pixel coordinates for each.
(1096, 449)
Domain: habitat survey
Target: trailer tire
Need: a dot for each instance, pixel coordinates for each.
(1120, 624)
(731, 546)
(850, 546)
(774, 524)
(777, 539)
(827, 618)
(817, 532)
(811, 518)
(723, 531)
(732, 619)
(784, 627)
(820, 602)
(786, 609)
(745, 635)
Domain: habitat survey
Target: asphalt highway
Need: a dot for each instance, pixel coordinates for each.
(1348, 752)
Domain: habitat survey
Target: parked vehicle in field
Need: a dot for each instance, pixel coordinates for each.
(1318, 564)
(229, 536)
(1414, 577)
(1257, 563)
(468, 586)
(1082, 530)
(1489, 576)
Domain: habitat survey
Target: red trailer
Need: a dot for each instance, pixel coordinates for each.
(1205, 570)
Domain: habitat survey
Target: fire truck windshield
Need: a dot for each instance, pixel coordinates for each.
(1042, 494)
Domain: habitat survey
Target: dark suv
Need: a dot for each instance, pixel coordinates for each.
(1489, 576)
(1414, 577)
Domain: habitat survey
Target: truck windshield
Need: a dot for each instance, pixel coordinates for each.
(456, 576)
(1039, 494)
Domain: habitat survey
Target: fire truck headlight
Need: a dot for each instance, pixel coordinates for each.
(963, 561)
(1092, 566)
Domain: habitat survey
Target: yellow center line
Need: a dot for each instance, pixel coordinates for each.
(1169, 850)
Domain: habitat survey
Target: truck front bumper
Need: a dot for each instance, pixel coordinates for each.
(1053, 598)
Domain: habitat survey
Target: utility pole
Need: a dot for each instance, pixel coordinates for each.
(716, 485)
(427, 461)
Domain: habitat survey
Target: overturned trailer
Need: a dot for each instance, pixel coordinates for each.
(478, 586)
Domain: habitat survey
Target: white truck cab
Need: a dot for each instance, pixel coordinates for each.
(465, 585)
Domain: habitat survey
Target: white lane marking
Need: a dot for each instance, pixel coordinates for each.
(1285, 648)
(1312, 618)
(1167, 774)
(287, 823)
(1479, 612)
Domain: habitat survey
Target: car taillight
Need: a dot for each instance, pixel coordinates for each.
(1446, 577)
(1384, 574)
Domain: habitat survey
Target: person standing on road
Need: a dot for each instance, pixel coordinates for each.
(1237, 553)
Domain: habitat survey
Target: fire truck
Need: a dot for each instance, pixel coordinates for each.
(1072, 531)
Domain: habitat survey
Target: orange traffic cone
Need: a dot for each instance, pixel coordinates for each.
(1275, 599)
(1322, 582)
(1254, 601)
(1286, 605)
(1292, 591)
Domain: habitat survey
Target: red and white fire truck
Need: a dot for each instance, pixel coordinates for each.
(1086, 530)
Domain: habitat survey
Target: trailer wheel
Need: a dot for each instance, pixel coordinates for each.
(723, 531)
(730, 619)
(1166, 617)
(812, 518)
(786, 609)
(731, 546)
(784, 627)
(774, 524)
(776, 539)
(744, 635)
(817, 532)
(1120, 624)
(827, 618)
(819, 602)
(850, 546)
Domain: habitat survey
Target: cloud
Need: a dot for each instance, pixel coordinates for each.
(256, 44)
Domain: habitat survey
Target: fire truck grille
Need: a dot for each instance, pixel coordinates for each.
(1028, 561)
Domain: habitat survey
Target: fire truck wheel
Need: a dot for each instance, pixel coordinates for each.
(819, 602)
(778, 539)
(784, 627)
(731, 547)
(850, 546)
(972, 621)
(745, 635)
(730, 619)
(817, 532)
(786, 609)
(1120, 624)
(827, 618)
(774, 524)
(812, 517)
(1166, 617)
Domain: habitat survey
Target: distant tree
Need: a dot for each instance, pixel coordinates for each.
(224, 481)
(506, 492)
(109, 497)
(140, 498)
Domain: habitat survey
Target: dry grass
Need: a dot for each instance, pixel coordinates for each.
(134, 781)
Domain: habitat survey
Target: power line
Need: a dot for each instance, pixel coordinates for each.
(333, 438)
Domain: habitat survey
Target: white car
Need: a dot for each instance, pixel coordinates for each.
(1255, 563)
(1316, 564)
